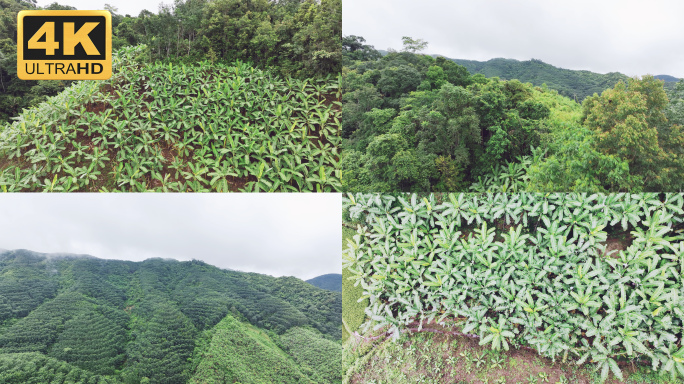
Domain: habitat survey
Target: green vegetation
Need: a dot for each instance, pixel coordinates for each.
(296, 38)
(576, 85)
(352, 309)
(159, 321)
(319, 357)
(223, 95)
(36, 368)
(331, 282)
(574, 276)
(206, 127)
(443, 356)
(417, 123)
(239, 353)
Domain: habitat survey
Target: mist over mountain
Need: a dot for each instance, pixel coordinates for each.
(161, 321)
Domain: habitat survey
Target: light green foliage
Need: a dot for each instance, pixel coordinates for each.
(239, 353)
(675, 109)
(629, 122)
(413, 45)
(531, 271)
(177, 128)
(321, 357)
(352, 309)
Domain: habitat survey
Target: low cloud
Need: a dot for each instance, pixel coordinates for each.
(276, 234)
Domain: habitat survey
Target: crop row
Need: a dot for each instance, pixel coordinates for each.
(207, 127)
(592, 277)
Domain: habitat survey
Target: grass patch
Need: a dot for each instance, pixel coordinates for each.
(352, 311)
(432, 358)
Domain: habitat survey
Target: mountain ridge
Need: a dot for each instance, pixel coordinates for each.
(572, 83)
(146, 319)
(329, 281)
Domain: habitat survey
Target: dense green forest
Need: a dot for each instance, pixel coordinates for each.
(414, 122)
(576, 85)
(299, 38)
(69, 319)
(243, 98)
(331, 282)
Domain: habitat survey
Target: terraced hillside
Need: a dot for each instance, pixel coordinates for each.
(75, 319)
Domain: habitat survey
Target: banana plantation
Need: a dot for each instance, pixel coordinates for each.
(587, 278)
(166, 127)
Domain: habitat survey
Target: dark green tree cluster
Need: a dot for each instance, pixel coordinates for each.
(414, 122)
(330, 282)
(40, 329)
(17, 94)
(36, 368)
(418, 123)
(300, 38)
(87, 319)
(92, 342)
(162, 347)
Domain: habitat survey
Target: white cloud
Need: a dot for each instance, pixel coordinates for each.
(276, 234)
(131, 7)
(630, 36)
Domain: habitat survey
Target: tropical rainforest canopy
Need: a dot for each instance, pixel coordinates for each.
(414, 122)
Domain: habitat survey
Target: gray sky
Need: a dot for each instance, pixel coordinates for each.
(131, 7)
(635, 37)
(279, 234)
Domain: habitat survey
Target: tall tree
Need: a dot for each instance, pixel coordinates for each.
(629, 121)
(413, 45)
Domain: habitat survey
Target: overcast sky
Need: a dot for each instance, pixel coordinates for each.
(279, 234)
(629, 36)
(131, 7)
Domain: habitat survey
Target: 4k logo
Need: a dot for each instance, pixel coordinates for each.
(64, 45)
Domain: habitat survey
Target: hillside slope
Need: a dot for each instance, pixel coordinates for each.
(165, 127)
(570, 83)
(242, 353)
(330, 281)
(128, 321)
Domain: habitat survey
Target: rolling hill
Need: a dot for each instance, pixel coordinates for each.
(570, 83)
(331, 282)
(575, 84)
(72, 318)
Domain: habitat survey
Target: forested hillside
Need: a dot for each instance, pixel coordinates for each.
(414, 122)
(331, 282)
(70, 318)
(574, 84)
